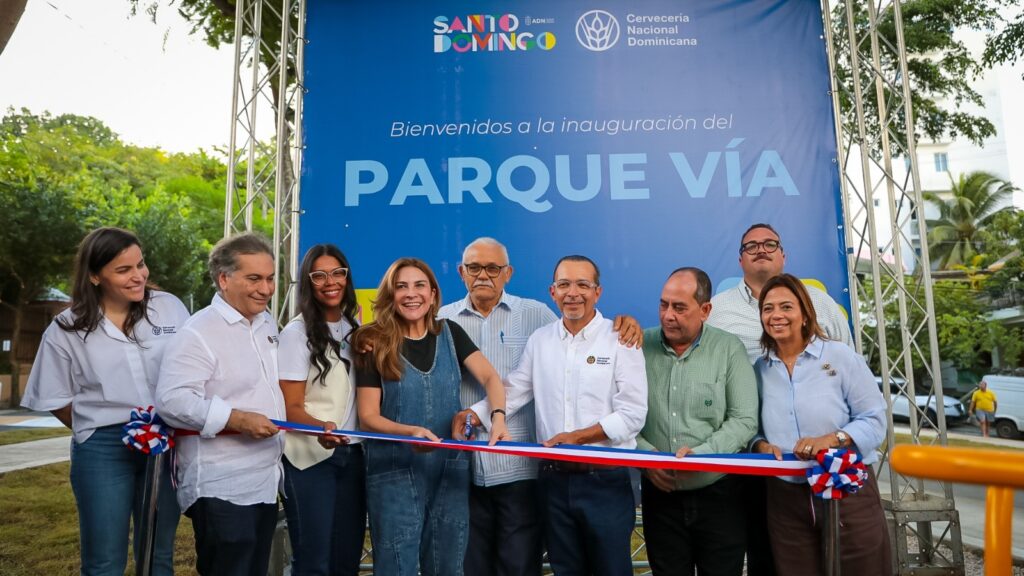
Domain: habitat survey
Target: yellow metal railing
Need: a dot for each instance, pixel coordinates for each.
(1000, 470)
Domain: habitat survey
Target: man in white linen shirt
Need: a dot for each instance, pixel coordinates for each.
(219, 378)
(587, 389)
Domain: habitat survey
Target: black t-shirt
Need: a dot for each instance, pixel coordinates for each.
(420, 353)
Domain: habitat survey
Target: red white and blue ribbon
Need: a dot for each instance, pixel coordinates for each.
(750, 464)
(147, 433)
(837, 474)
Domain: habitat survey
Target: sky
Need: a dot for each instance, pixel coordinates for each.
(153, 84)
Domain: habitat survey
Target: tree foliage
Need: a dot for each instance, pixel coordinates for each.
(940, 68)
(1006, 45)
(966, 335)
(61, 176)
(971, 205)
(110, 183)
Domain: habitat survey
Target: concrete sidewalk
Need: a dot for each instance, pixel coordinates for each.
(34, 453)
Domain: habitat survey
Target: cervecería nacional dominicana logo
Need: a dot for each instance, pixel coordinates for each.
(600, 30)
(490, 33)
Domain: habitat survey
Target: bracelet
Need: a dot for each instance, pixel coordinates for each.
(498, 411)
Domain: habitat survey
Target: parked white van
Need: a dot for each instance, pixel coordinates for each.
(1009, 392)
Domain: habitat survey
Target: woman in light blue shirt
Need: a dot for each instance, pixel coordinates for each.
(817, 394)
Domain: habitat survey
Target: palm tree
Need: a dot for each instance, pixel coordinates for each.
(971, 203)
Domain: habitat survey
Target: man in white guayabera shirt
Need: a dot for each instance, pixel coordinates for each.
(219, 378)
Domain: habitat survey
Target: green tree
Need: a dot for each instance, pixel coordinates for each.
(940, 68)
(971, 204)
(1006, 45)
(61, 176)
(38, 224)
(966, 336)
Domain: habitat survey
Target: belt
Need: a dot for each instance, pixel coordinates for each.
(573, 467)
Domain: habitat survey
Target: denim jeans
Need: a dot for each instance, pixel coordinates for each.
(703, 529)
(326, 508)
(419, 501)
(108, 480)
(588, 521)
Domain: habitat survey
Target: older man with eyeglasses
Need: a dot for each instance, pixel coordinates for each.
(587, 388)
(735, 310)
(505, 527)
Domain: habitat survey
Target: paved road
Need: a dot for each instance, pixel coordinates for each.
(970, 503)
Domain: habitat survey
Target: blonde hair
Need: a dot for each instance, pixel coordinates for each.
(385, 334)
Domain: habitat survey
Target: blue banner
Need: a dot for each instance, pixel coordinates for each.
(646, 135)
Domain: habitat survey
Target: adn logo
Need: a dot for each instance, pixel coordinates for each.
(597, 30)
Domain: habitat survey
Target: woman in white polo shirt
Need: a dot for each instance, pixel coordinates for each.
(97, 361)
(324, 476)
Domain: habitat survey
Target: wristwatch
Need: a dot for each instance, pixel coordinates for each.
(842, 437)
(498, 411)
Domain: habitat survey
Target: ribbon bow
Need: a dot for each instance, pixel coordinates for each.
(838, 473)
(147, 433)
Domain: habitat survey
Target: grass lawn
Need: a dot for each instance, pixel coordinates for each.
(18, 435)
(39, 531)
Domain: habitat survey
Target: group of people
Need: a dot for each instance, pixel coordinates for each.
(764, 367)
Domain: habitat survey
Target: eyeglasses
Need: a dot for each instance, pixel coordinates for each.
(581, 285)
(492, 269)
(319, 278)
(753, 247)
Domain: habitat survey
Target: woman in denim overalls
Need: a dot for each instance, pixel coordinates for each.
(408, 384)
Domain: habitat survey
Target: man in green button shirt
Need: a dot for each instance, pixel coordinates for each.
(702, 399)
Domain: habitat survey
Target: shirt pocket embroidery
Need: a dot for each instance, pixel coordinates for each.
(706, 401)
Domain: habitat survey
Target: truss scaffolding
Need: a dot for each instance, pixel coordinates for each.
(891, 308)
(269, 36)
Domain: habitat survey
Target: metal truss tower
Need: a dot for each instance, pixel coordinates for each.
(268, 82)
(892, 312)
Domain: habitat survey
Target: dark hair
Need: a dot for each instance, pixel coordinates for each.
(703, 293)
(224, 256)
(577, 258)
(318, 334)
(810, 327)
(760, 225)
(96, 250)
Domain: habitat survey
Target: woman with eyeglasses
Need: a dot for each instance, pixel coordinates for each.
(817, 394)
(324, 475)
(99, 360)
(409, 385)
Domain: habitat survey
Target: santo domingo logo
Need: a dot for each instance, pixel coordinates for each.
(487, 33)
(597, 30)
